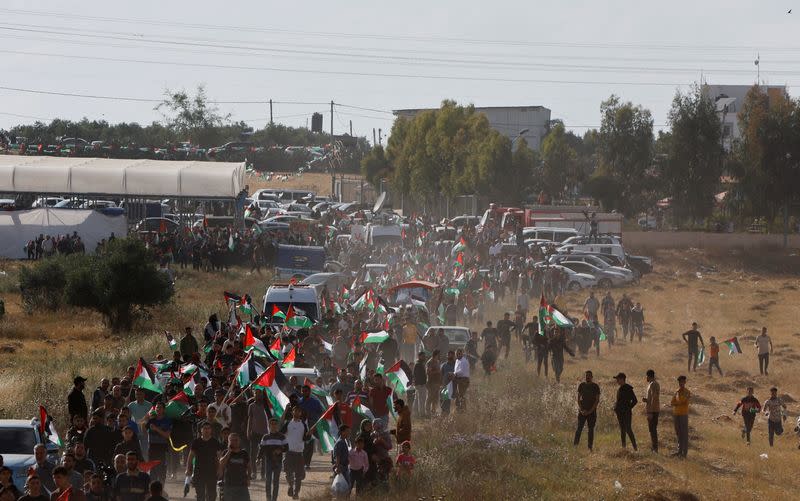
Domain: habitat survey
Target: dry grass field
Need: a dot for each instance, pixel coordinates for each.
(528, 423)
(317, 182)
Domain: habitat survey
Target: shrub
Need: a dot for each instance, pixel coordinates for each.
(42, 285)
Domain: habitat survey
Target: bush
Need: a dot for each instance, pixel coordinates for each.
(119, 284)
(42, 285)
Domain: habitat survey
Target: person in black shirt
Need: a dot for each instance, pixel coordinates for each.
(203, 463)
(76, 401)
(235, 469)
(691, 337)
(33, 487)
(133, 484)
(156, 492)
(588, 400)
(270, 451)
(504, 328)
(489, 335)
(750, 407)
(626, 400)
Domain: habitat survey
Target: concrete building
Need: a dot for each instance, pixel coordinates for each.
(508, 120)
(729, 100)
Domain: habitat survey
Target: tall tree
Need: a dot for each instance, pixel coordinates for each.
(626, 154)
(559, 162)
(192, 118)
(694, 154)
(769, 177)
(374, 165)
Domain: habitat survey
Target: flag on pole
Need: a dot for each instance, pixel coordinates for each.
(460, 260)
(289, 360)
(47, 427)
(390, 405)
(323, 396)
(277, 312)
(327, 428)
(374, 337)
(252, 343)
(145, 377)
(294, 321)
(268, 382)
(173, 344)
(231, 297)
(177, 405)
(733, 345)
(397, 378)
(188, 387)
(361, 409)
(701, 356)
(447, 392)
(275, 348)
(248, 371)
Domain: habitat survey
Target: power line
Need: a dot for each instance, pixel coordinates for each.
(364, 109)
(390, 37)
(344, 73)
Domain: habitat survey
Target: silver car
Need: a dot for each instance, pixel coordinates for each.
(605, 277)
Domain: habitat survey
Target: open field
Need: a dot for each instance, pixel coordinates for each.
(317, 182)
(535, 459)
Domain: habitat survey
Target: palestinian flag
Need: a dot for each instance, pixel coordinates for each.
(289, 360)
(447, 392)
(701, 356)
(337, 308)
(733, 345)
(320, 394)
(173, 345)
(277, 312)
(345, 292)
(269, 382)
(440, 313)
(374, 337)
(460, 260)
(252, 343)
(397, 378)
(247, 309)
(47, 427)
(327, 428)
(177, 405)
(231, 297)
(248, 371)
(362, 301)
(145, 377)
(361, 409)
(294, 321)
(161, 366)
(461, 246)
(559, 318)
(275, 349)
(188, 387)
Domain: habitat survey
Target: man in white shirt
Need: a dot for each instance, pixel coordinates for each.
(294, 464)
(223, 409)
(461, 380)
(764, 345)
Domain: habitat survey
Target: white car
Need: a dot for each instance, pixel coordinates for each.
(576, 280)
(18, 437)
(46, 202)
(456, 334)
(605, 278)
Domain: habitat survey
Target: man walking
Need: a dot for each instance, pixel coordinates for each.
(691, 337)
(626, 400)
(234, 468)
(764, 345)
(461, 380)
(588, 399)
(590, 307)
(652, 408)
(202, 463)
(680, 413)
(76, 401)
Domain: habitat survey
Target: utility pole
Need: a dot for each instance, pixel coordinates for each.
(374, 140)
(270, 112)
(331, 123)
(380, 139)
(351, 128)
(333, 152)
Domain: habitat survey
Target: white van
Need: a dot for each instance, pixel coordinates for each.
(551, 234)
(381, 236)
(598, 248)
(301, 297)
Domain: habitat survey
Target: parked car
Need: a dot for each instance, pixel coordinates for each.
(46, 202)
(332, 281)
(639, 264)
(600, 239)
(18, 437)
(605, 277)
(593, 259)
(154, 224)
(576, 281)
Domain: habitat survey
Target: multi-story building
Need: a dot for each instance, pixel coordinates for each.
(729, 100)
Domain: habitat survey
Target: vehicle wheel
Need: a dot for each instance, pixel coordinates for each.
(605, 283)
(574, 286)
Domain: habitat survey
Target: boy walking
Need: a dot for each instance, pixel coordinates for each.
(713, 352)
(270, 451)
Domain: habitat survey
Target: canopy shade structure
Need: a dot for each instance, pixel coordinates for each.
(121, 178)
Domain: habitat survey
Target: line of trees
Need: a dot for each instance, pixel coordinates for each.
(623, 165)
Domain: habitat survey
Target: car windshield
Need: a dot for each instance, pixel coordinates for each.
(17, 440)
(315, 279)
(456, 335)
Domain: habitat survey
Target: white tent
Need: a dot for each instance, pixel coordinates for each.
(18, 227)
(121, 178)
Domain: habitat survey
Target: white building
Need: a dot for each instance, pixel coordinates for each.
(508, 120)
(729, 100)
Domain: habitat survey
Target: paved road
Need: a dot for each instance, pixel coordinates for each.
(317, 481)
